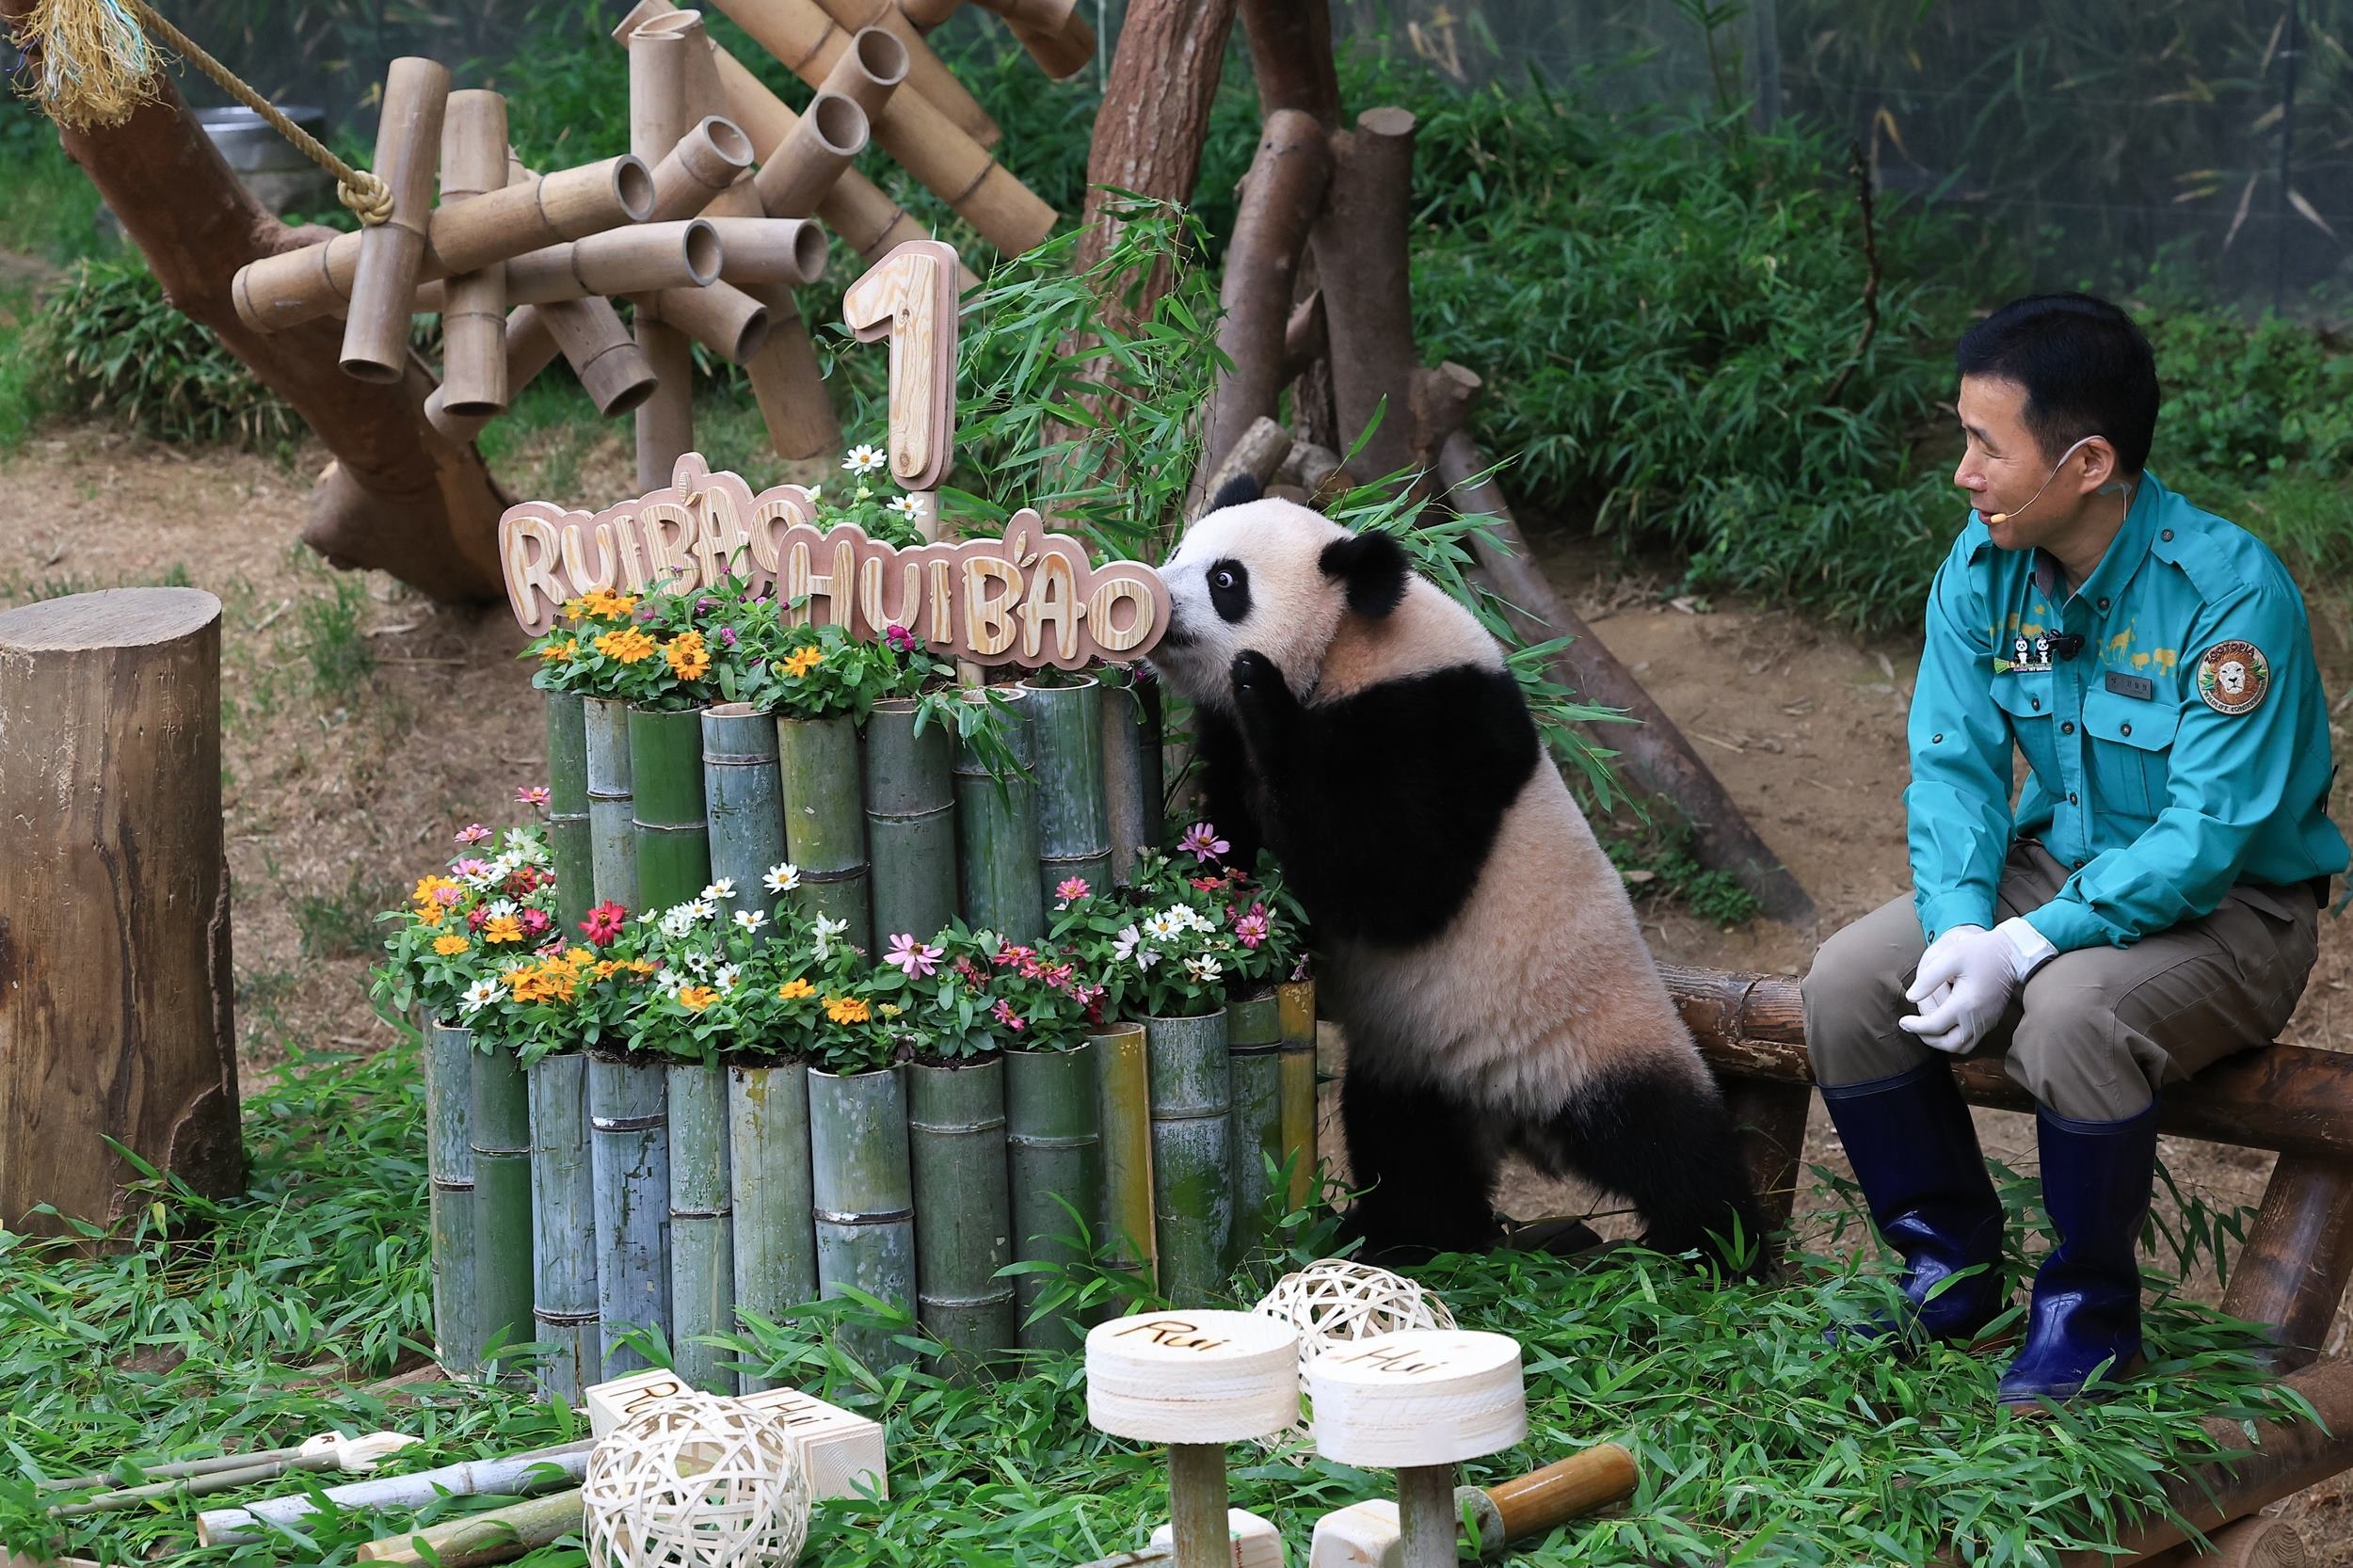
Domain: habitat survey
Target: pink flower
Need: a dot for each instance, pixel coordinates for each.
(704, 605)
(914, 958)
(535, 923)
(1201, 842)
(1006, 1015)
(1073, 890)
(448, 897)
(604, 921)
(472, 833)
(1010, 954)
(532, 795)
(727, 636)
(900, 638)
(648, 610)
(1250, 928)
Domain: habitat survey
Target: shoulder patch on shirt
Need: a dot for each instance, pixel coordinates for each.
(2233, 677)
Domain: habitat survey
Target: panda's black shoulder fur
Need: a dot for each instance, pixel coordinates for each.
(1382, 806)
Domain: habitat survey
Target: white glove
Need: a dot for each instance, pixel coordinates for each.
(1967, 977)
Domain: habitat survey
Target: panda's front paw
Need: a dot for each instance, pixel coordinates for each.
(1256, 678)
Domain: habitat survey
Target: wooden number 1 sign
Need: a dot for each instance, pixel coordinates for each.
(909, 296)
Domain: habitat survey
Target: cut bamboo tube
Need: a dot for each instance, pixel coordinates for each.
(925, 142)
(473, 317)
(775, 1236)
(825, 823)
(1074, 830)
(666, 768)
(408, 141)
(1131, 771)
(1056, 35)
(206, 1483)
(649, 257)
(706, 161)
(924, 71)
(563, 1227)
(759, 251)
(1296, 1002)
(910, 823)
(997, 835)
(629, 1145)
(868, 72)
(787, 385)
(927, 14)
(744, 795)
(657, 117)
(449, 1166)
(612, 833)
(724, 319)
(1254, 1041)
(702, 1261)
(807, 153)
(1054, 1158)
(500, 1127)
(496, 1535)
(611, 370)
(1124, 1108)
(567, 811)
(1193, 1127)
(541, 1470)
(212, 1465)
(863, 1196)
(530, 349)
(956, 1158)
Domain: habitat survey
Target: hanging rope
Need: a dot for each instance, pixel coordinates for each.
(98, 64)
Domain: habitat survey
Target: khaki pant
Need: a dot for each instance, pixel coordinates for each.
(2093, 1034)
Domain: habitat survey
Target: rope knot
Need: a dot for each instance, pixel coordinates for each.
(368, 197)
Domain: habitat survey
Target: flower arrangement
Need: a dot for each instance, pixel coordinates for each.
(967, 995)
(462, 926)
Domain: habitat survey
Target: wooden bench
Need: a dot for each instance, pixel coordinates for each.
(2290, 1275)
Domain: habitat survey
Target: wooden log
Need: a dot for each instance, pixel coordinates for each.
(1307, 336)
(1661, 760)
(1771, 1121)
(1322, 474)
(2292, 1273)
(925, 72)
(473, 316)
(1438, 402)
(2254, 1542)
(869, 72)
(1290, 58)
(702, 1221)
(1280, 196)
(1363, 269)
(706, 161)
(1258, 451)
(115, 981)
(1155, 117)
(964, 1226)
(494, 1535)
(407, 142)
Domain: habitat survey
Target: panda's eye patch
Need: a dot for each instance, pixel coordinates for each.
(1229, 589)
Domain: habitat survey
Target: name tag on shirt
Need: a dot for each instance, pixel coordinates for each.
(2131, 685)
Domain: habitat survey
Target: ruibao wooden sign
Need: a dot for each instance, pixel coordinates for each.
(1029, 598)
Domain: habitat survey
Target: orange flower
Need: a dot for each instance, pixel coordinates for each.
(576, 610)
(503, 928)
(696, 997)
(555, 654)
(628, 645)
(803, 661)
(450, 947)
(846, 1010)
(686, 656)
(428, 891)
(544, 983)
(608, 605)
(793, 990)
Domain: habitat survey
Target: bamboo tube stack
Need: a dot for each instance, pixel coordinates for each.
(702, 1260)
(743, 794)
(768, 1164)
(925, 72)
(501, 1131)
(408, 141)
(1054, 1148)
(449, 1143)
(666, 770)
(910, 823)
(825, 821)
(996, 832)
(657, 117)
(568, 810)
(1066, 744)
(473, 319)
(1192, 1127)
(1122, 1098)
(629, 1145)
(612, 808)
(864, 1198)
(1253, 1040)
(956, 1158)
(563, 1227)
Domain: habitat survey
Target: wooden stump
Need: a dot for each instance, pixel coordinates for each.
(115, 986)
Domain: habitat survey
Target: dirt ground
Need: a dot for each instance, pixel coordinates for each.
(363, 725)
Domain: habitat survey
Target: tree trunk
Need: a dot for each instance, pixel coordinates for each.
(400, 497)
(115, 984)
(1156, 112)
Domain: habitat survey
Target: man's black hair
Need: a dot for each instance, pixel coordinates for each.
(2086, 370)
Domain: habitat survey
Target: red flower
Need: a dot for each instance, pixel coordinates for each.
(1010, 954)
(535, 923)
(604, 922)
(476, 916)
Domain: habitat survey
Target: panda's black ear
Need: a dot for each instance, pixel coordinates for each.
(1241, 488)
(1374, 568)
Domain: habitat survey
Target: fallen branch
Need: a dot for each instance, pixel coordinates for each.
(1862, 172)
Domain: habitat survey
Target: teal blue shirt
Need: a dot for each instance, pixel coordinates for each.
(2153, 774)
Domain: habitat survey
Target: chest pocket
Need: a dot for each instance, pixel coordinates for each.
(2027, 698)
(2131, 744)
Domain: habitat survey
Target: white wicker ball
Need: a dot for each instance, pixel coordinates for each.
(696, 1481)
(1334, 1300)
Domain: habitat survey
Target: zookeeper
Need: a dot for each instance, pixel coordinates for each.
(2148, 907)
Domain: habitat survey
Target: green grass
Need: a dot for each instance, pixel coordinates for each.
(52, 207)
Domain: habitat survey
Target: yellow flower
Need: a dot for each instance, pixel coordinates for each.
(793, 990)
(846, 1010)
(576, 610)
(696, 997)
(427, 887)
(607, 605)
(503, 928)
(450, 947)
(803, 661)
(686, 656)
(628, 645)
(555, 654)
(580, 958)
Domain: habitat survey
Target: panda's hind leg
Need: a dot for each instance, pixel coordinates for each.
(1429, 1160)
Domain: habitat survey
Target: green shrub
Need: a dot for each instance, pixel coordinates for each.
(120, 350)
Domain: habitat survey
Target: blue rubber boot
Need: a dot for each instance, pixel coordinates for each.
(2087, 1295)
(1916, 1156)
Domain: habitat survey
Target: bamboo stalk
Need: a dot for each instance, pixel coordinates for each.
(924, 71)
(473, 320)
(776, 1239)
(744, 796)
(666, 768)
(563, 1227)
(182, 1469)
(541, 1470)
(612, 833)
(408, 144)
(449, 1163)
(813, 151)
(202, 1484)
(1254, 1041)
(706, 161)
(786, 381)
(649, 258)
(501, 1130)
(997, 836)
(910, 823)
(869, 70)
(957, 1157)
(628, 1144)
(759, 252)
(1054, 1149)
(612, 370)
(1074, 829)
(568, 810)
(723, 318)
(1296, 1001)
(496, 1535)
(1123, 1110)
(1131, 771)
(1192, 1127)
(825, 828)
(666, 421)
(1056, 37)
(863, 1195)
(702, 1260)
(657, 117)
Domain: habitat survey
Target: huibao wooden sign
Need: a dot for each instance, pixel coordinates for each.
(1030, 598)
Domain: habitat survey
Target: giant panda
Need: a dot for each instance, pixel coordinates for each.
(1479, 947)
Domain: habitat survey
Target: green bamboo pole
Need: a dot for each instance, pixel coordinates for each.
(563, 1226)
(1296, 1001)
(746, 798)
(825, 821)
(1131, 770)
(611, 835)
(997, 836)
(1193, 1159)
(863, 1195)
(494, 1535)
(1054, 1154)
(500, 1127)
(956, 1153)
(629, 1145)
(1074, 825)
(449, 1167)
(666, 770)
(910, 822)
(776, 1240)
(702, 1260)
(567, 811)
(1254, 1041)
(1124, 1108)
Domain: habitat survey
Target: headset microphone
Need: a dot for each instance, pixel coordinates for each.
(2005, 517)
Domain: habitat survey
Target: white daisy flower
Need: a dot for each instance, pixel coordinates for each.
(480, 995)
(1204, 969)
(863, 459)
(750, 919)
(669, 979)
(523, 848)
(678, 922)
(1146, 957)
(723, 888)
(908, 506)
(782, 879)
(1164, 925)
(826, 931)
(505, 865)
(649, 917)
(501, 908)
(1124, 945)
(699, 961)
(724, 976)
(703, 909)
